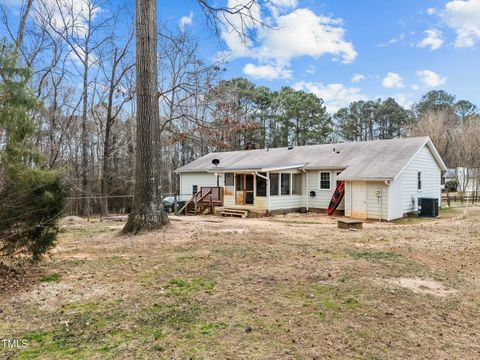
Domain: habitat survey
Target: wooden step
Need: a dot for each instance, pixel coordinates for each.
(234, 212)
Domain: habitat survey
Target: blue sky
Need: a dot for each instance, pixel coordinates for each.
(396, 48)
(341, 50)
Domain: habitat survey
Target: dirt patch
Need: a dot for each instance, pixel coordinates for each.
(423, 286)
(234, 231)
(16, 277)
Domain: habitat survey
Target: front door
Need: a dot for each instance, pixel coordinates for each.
(244, 189)
(359, 200)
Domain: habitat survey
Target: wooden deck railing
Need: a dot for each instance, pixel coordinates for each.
(207, 196)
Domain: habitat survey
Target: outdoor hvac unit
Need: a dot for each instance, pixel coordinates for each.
(428, 207)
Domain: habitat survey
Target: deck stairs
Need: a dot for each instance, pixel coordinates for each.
(204, 201)
(234, 213)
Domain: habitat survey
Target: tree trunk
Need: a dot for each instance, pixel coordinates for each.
(21, 27)
(85, 209)
(105, 181)
(104, 186)
(147, 212)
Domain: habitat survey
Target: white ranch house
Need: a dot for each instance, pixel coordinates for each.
(383, 178)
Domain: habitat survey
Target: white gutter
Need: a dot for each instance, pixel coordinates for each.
(268, 188)
(340, 178)
(280, 168)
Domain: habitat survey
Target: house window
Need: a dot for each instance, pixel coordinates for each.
(285, 184)
(297, 184)
(228, 179)
(194, 189)
(325, 180)
(419, 180)
(274, 184)
(261, 185)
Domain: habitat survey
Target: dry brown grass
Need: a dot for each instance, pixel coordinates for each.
(288, 287)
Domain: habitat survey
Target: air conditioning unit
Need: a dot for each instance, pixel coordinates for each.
(428, 207)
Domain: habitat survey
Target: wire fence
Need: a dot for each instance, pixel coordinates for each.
(462, 198)
(115, 204)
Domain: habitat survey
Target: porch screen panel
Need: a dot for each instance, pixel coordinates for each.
(261, 185)
(239, 182)
(297, 184)
(228, 179)
(274, 184)
(249, 182)
(285, 184)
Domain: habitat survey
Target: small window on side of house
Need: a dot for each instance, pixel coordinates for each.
(325, 180)
(419, 180)
(194, 189)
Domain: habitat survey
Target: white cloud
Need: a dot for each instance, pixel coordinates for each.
(393, 80)
(72, 14)
(395, 40)
(240, 46)
(77, 55)
(277, 7)
(357, 78)
(185, 21)
(335, 96)
(303, 33)
(300, 32)
(430, 78)
(433, 39)
(285, 3)
(463, 16)
(267, 72)
(431, 11)
(403, 100)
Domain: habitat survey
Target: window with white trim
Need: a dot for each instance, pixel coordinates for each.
(419, 180)
(325, 180)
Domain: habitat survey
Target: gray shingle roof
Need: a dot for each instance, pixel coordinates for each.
(379, 159)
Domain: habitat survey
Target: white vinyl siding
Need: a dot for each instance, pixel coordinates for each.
(286, 202)
(376, 207)
(279, 202)
(431, 176)
(395, 200)
(322, 197)
(187, 180)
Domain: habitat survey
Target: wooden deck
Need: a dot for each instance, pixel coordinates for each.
(204, 201)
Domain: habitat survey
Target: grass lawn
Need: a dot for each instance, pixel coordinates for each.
(288, 287)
